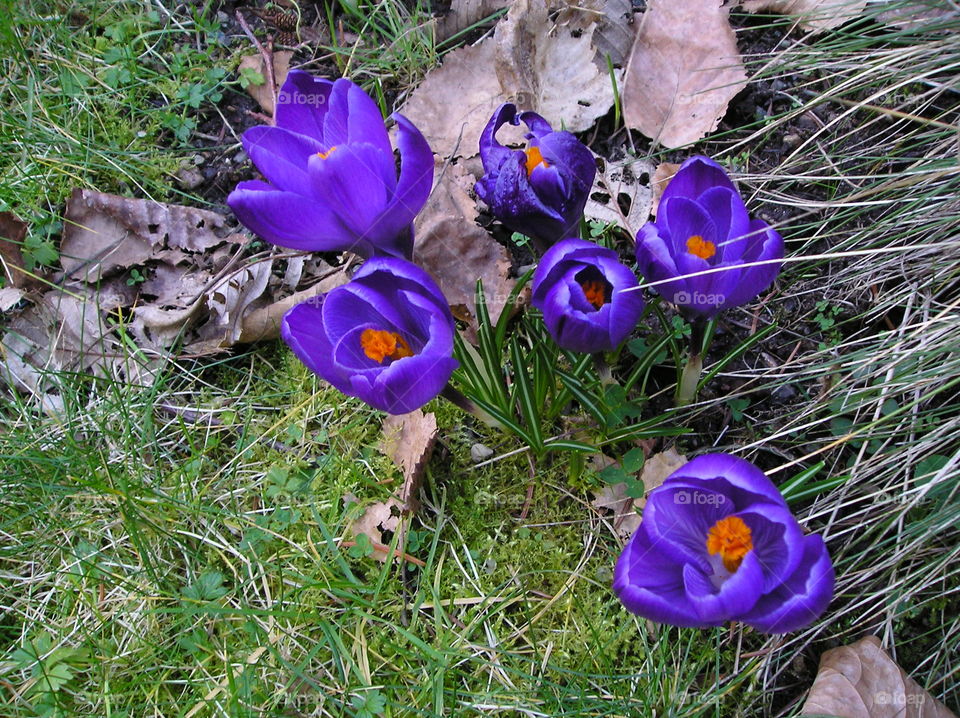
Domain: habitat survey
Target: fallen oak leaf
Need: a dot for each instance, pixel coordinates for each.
(627, 180)
(615, 27)
(464, 14)
(408, 440)
(263, 323)
(862, 681)
(13, 231)
(106, 233)
(263, 93)
(551, 69)
(683, 71)
(661, 177)
(457, 251)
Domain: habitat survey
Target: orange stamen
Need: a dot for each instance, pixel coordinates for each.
(731, 538)
(534, 158)
(379, 344)
(700, 247)
(324, 155)
(595, 292)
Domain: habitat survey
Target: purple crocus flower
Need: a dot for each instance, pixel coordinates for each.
(585, 295)
(539, 191)
(702, 224)
(332, 181)
(385, 337)
(718, 543)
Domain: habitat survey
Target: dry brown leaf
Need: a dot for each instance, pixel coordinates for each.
(264, 323)
(627, 180)
(615, 31)
(862, 681)
(915, 14)
(378, 519)
(408, 440)
(453, 248)
(9, 298)
(465, 13)
(13, 231)
(262, 92)
(455, 101)
(813, 14)
(658, 467)
(661, 176)
(683, 71)
(551, 69)
(614, 497)
(104, 233)
(555, 70)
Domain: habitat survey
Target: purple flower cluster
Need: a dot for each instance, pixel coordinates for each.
(718, 543)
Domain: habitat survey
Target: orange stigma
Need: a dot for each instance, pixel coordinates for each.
(699, 247)
(731, 538)
(324, 155)
(534, 158)
(595, 292)
(379, 344)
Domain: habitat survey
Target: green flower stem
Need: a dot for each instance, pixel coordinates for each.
(687, 388)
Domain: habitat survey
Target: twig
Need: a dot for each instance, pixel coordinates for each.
(265, 53)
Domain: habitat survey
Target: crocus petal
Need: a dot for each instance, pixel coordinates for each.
(657, 264)
(695, 176)
(545, 201)
(292, 220)
(351, 180)
(282, 156)
(408, 384)
(394, 272)
(492, 153)
(679, 519)
(573, 160)
(413, 188)
(747, 483)
(354, 117)
(736, 595)
(386, 294)
(729, 215)
(302, 330)
(538, 126)
(651, 584)
(572, 320)
(767, 245)
(778, 580)
(802, 598)
(701, 201)
(683, 218)
(777, 541)
(302, 104)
